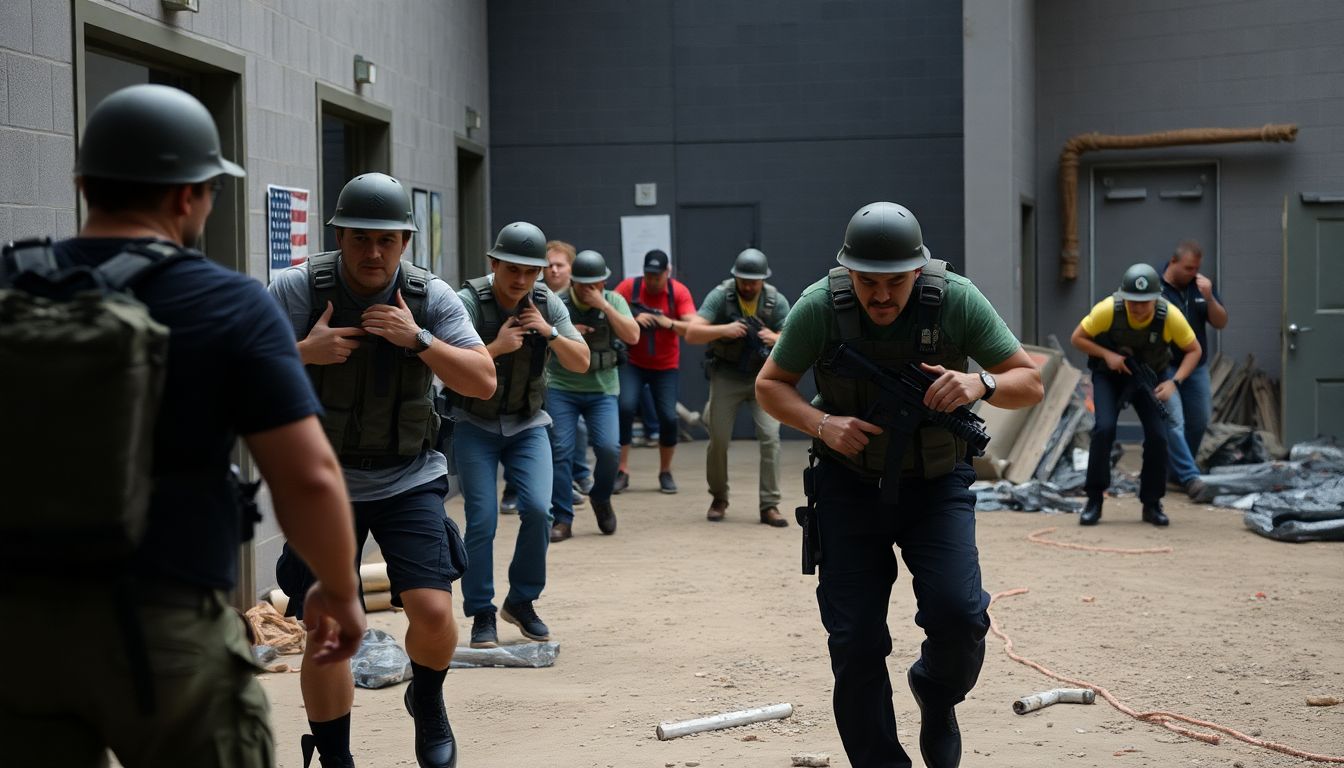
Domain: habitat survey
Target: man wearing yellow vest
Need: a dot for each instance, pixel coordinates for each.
(1127, 337)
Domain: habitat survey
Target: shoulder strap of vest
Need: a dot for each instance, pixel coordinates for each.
(415, 291)
(321, 283)
(1160, 314)
(635, 289)
(846, 307)
(1118, 314)
(930, 289)
(485, 299)
(769, 298)
(131, 265)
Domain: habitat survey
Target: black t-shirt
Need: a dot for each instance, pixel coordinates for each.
(233, 369)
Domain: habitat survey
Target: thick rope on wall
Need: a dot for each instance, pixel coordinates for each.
(1087, 142)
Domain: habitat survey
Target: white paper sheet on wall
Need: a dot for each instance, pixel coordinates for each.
(641, 234)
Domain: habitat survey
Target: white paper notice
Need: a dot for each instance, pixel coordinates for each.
(641, 234)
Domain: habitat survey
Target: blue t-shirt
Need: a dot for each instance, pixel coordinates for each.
(233, 368)
(1196, 310)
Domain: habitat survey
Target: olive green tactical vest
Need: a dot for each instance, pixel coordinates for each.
(378, 405)
(520, 388)
(725, 354)
(1146, 344)
(933, 451)
(601, 352)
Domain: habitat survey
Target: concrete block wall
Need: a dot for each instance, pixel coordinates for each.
(1129, 68)
(809, 109)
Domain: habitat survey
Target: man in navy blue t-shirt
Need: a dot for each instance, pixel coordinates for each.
(1189, 408)
(149, 167)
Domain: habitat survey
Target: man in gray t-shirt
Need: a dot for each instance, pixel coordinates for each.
(373, 333)
(522, 324)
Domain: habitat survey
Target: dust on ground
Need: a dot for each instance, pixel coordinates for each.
(674, 618)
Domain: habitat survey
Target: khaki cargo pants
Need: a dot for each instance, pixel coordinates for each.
(727, 391)
(69, 696)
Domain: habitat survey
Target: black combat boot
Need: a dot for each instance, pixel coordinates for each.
(939, 736)
(1091, 514)
(1152, 513)
(435, 746)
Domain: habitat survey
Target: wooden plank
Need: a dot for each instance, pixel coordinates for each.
(1219, 369)
(1003, 425)
(1031, 444)
(1266, 405)
(1061, 441)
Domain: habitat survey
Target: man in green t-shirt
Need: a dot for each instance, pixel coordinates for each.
(893, 304)
(740, 320)
(604, 319)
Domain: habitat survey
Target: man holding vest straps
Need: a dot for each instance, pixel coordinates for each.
(740, 319)
(157, 664)
(374, 331)
(1133, 326)
(893, 304)
(1191, 404)
(522, 323)
(604, 320)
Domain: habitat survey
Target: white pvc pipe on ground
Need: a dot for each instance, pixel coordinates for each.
(1045, 698)
(726, 720)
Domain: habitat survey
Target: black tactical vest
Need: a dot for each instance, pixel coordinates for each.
(520, 388)
(917, 338)
(602, 352)
(378, 405)
(726, 354)
(1146, 344)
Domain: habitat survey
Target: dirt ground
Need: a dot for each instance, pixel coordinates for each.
(674, 618)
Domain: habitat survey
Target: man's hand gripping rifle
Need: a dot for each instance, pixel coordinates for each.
(1145, 382)
(900, 411)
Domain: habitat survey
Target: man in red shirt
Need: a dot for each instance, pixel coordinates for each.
(662, 307)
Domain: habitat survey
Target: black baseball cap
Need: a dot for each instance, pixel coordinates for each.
(655, 261)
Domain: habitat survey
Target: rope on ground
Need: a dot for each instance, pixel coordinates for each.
(1157, 717)
(1035, 538)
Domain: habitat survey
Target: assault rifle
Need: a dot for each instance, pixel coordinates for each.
(900, 410)
(1145, 379)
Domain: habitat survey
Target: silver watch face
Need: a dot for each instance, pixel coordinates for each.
(424, 338)
(988, 379)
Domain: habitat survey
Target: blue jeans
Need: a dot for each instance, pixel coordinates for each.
(1110, 392)
(647, 413)
(527, 459)
(1188, 413)
(579, 464)
(663, 384)
(599, 411)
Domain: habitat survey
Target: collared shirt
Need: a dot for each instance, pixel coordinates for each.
(1195, 308)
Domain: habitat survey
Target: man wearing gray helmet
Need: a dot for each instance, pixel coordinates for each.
(374, 330)
(522, 323)
(1134, 328)
(890, 302)
(605, 321)
(740, 320)
(158, 665)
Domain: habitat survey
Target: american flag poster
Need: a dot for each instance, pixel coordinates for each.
(286, 227)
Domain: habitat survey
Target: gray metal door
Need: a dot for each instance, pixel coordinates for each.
(709, 237)
(1312, 388)
(1139, 214)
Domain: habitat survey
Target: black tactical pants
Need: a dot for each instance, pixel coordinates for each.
(934, 526)
(1110, 392)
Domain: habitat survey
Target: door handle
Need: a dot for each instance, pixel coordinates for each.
(1294, 329)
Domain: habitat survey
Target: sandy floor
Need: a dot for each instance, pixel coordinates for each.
(674, 618)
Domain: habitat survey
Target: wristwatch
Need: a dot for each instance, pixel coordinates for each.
(555, 334)
(423, 340)
(987, 379)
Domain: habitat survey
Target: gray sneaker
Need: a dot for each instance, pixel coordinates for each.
(665, 482)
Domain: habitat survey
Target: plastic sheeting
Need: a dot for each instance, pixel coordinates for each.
(534, 655)
(1031, 496)
(379, 662)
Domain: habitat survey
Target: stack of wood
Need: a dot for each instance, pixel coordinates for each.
(377, 589)
(1244, 394)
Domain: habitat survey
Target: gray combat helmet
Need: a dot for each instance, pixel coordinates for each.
(884, 238)
(374, 201)
(521, 243)
(589, 267)
(751, 265)
(152, 134)
(1140, 283)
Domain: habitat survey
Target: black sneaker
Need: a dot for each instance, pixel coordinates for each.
(435, 746)
(584, 486)
(483, 632)
(508, 503)
(578, 499)
(665, 482)
(606, 516)
(622, 481)
(524, 617)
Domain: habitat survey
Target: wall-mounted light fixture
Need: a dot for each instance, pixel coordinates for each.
(473, 121)
(366, 72)
(182, 5)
